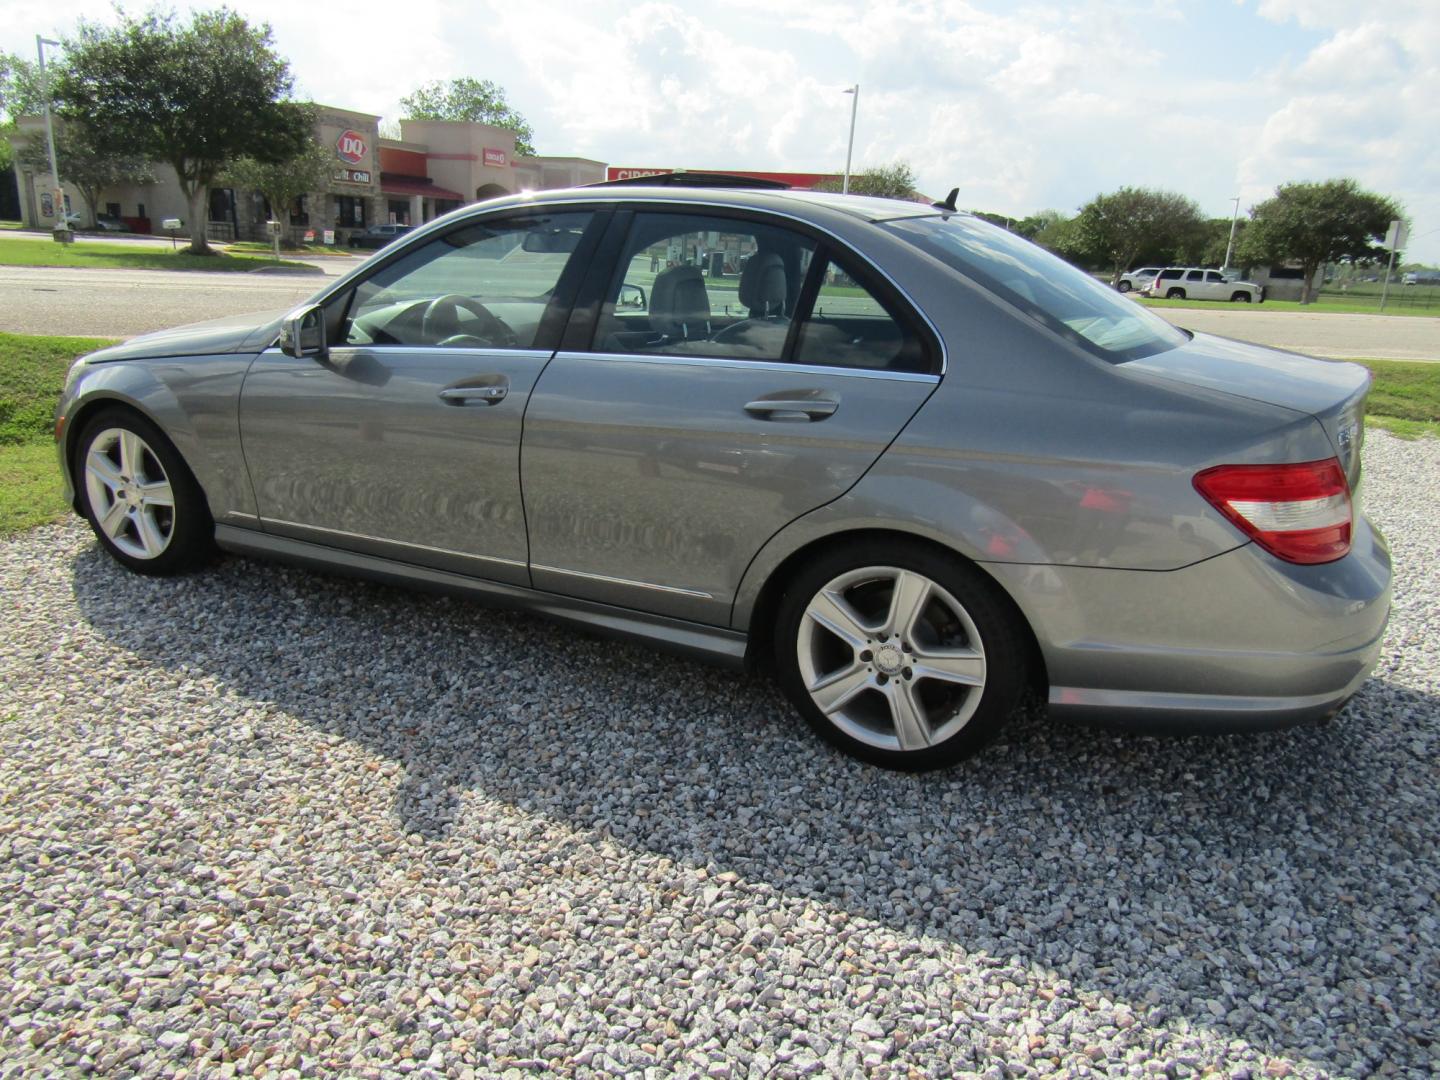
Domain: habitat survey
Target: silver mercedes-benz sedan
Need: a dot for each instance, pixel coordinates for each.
(910, 462)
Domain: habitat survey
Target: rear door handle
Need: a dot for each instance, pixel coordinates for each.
(463, 395)
(792, 409)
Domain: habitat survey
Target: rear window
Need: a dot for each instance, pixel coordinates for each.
(1046, 287)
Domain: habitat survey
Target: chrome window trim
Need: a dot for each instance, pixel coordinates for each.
(750, 365)
(599, 202)
(446, 350)
(607, 579)
(387, 540)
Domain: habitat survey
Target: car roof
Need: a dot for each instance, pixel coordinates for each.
(864, 207)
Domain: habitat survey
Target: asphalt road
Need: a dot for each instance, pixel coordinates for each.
(122, 303)
(1382, 337)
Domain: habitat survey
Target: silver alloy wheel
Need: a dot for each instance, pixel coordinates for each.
(891, 658)
(129, 493)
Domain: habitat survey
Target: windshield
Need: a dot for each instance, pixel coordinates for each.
(1044, 286)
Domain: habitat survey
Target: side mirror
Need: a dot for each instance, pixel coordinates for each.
(303, 332)
(632, 296)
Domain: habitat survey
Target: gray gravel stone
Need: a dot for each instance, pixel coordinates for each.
(262, 822)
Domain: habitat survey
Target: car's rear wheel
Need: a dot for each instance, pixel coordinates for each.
(1175, 294)
(138, 495)
(1240, 298)
(1124, 286)
(899, 655)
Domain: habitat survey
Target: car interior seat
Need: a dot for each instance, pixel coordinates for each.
(679, 304)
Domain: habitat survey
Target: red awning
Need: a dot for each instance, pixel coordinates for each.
(412, 185)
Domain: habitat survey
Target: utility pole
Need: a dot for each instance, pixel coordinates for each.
(63, 225)
(850, 147)
(1230, 247)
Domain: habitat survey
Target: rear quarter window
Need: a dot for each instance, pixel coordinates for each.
(1044, 286)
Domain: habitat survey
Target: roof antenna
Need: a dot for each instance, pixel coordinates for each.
(949, 203)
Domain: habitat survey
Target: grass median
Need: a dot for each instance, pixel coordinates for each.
(32, 374)
(118, 255)
(1405, 400)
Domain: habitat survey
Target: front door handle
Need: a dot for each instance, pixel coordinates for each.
(792, 409)
(463, 395)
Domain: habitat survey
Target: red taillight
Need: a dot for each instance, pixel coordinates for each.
(1299, 513)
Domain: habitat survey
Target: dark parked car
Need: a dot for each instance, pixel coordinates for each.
(377, 236)
(110, 223)
(909, 461)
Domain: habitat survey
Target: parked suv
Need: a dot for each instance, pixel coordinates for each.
(1138, 280)
(1194, 283)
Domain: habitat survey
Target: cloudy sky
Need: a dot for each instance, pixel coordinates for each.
(1024, 106)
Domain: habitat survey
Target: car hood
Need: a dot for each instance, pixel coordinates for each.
(232, 334)
(1330, 390)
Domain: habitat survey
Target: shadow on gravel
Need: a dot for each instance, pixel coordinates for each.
(1281, 884)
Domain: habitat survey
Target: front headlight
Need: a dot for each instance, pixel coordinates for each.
(76, 370)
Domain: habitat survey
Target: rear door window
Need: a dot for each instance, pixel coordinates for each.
(849, 326)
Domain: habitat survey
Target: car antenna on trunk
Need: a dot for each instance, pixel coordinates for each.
(949, 203)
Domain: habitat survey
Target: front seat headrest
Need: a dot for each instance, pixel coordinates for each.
(679, 304)
(762, 285)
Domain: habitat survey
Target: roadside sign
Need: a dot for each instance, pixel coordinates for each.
(1397, 236)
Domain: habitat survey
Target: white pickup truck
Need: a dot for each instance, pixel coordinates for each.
(1194, 283)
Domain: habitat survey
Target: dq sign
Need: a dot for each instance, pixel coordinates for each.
(351, 147)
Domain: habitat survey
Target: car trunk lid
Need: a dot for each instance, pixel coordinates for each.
(1331, 391)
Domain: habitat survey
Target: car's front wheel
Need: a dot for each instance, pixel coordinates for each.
(1124, 286)
(1240, 298)
(899, 655)
(139, 496)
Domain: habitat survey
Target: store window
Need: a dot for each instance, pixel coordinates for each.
(399, 210)
(300, 210)
(349, 212)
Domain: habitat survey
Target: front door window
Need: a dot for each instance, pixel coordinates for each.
(487, 285)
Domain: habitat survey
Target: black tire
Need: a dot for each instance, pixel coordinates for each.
(1175, 294)
(1124, 286)
(1240, 298)
(956, 721)
(186, 528)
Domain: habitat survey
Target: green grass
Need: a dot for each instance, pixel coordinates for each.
(32, 374)
(1405, 397)
(1367, 306)
(246, 247)
(29, 487)
(11, 225)
(41, 251)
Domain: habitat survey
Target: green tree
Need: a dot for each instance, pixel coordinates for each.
(1316, 223)
(83, 163)
(20, 95)
(479, 101)
(282, 182)
(195, 96)
(1117, 229)
(893, 181)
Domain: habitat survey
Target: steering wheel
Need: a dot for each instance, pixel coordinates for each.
(442, 319)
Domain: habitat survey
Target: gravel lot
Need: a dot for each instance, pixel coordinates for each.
(264, 822)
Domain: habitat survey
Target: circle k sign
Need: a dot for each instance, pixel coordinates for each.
(351, 147)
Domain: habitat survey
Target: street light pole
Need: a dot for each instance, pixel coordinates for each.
(64, 222)
(850, 147)
(1230, 247)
